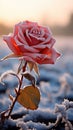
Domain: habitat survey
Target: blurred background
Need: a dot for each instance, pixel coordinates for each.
(56, 14)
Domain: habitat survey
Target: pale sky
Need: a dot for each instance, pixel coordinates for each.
(53, 11)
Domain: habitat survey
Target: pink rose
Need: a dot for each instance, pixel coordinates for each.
(32, 42)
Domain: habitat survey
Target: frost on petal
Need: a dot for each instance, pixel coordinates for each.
(25, 48)
(21, 37)
(11, 44)
(27, 58)
(42, 46)
(48, 56)
(16, 29)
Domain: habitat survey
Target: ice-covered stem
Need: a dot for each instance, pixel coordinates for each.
(18, 92)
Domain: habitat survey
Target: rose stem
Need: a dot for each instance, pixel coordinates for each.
(13, 103)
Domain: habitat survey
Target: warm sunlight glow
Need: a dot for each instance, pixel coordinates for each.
(52, 11)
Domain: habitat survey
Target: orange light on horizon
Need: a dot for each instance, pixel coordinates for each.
(51, 11)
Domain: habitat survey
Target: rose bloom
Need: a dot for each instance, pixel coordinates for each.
(32, 42)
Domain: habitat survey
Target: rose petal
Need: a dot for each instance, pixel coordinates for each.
(28, 35)
(42, 46)
(36, 37)
(27, 58)
(25, 48)
(47, 40)
(28, 25)
(11, 44)
(44, 58)
(16, 29)
(46, 30)
(21, 37)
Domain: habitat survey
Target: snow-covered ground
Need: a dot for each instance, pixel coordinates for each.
(56, 87)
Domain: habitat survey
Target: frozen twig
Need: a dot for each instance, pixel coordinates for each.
(61, 111)
(17, 94)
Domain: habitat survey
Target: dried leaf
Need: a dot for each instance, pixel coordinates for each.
(29, 97)
(12, 55)
(28, 76)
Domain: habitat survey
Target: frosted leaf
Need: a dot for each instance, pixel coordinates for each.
(31, 78)
(66, 103)
(61, 109)
(5, 74)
